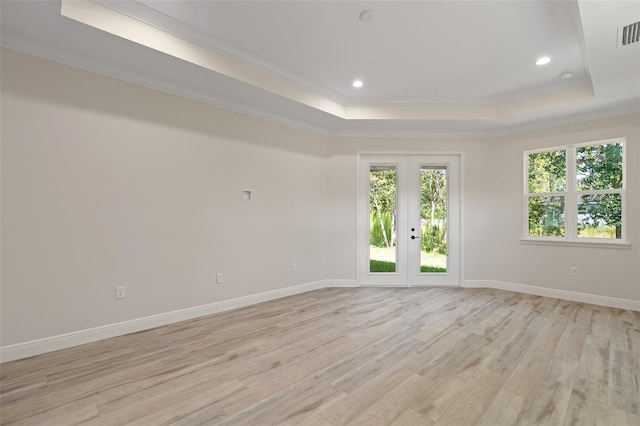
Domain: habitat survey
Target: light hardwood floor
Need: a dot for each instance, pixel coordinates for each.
(365, 356)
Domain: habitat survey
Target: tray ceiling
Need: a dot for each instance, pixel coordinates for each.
(454, 68)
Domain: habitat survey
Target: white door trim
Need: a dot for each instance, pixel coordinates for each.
(452, 276)
(401, 278)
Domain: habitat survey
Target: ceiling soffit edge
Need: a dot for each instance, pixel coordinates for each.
(170, 25)
(454, 131)
(114, 22)
(144, 80)
(143, 13)
(132, 28)
(626, 108)
(523, 95)
(455, 127)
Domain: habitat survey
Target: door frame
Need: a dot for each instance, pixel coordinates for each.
(401, 277)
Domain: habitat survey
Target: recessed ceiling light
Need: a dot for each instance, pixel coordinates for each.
(366, 16)
(543, 60)
(566, 75)
(357, 83)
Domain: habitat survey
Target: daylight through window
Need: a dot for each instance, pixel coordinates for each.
(575, 193)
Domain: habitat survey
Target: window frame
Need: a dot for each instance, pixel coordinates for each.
(571, 196)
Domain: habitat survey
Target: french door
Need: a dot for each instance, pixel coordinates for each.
(408, 227)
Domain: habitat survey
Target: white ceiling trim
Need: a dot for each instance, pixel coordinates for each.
(493, 131)
(144, 80)
(109, 20)
(450, 120)
(568, 96)
(163, 22)
(524, 95)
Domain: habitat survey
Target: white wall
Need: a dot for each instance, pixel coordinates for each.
(602, 271)
(476, 183)
(493, 182)
(107, 184)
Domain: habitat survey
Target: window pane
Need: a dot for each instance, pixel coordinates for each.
(433, 219)
(546, 216)
(599, 167)
(382, 218)
(547, 171)
(600, 216)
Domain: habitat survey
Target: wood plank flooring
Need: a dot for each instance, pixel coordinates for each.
(357, 356)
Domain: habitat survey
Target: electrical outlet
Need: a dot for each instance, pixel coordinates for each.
(219, 278)
(294, 267)
(573, 271)
(120, 292)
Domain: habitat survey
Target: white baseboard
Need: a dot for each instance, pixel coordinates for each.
(341, 283)
(594, 299)
(67, 340)
(63, 341)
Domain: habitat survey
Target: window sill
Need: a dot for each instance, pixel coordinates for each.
(574, 243)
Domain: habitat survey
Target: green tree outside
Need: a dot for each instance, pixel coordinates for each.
(598, 167)
(383, 213)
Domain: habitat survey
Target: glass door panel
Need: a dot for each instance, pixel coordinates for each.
(433, 219)
(434, 211)
(408, 220)
(383, 189)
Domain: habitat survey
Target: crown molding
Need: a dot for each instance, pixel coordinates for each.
(149, 16)
(64, 58)
(112, 21)
(454, 130)
(159, 20)
(609, 111)
(152, 17)
(604, 112)
(501, 101)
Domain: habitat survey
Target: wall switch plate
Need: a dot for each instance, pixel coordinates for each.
(573, 271)
(219, 278)
(294, 267)
(121, 292)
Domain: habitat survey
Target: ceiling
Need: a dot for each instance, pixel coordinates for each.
(433, 68)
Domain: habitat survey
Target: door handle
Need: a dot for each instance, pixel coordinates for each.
(413, 237)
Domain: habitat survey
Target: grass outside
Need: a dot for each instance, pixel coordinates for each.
(603, 232)
(383, 260)
(382, 266)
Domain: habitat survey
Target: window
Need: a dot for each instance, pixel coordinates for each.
(575, 193)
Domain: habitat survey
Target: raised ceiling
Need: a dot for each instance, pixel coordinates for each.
(450, 68)
(408, 52)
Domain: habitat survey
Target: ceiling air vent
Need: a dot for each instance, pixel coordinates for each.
(631, 33)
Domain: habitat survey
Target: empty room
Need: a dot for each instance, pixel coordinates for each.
(320, 212)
